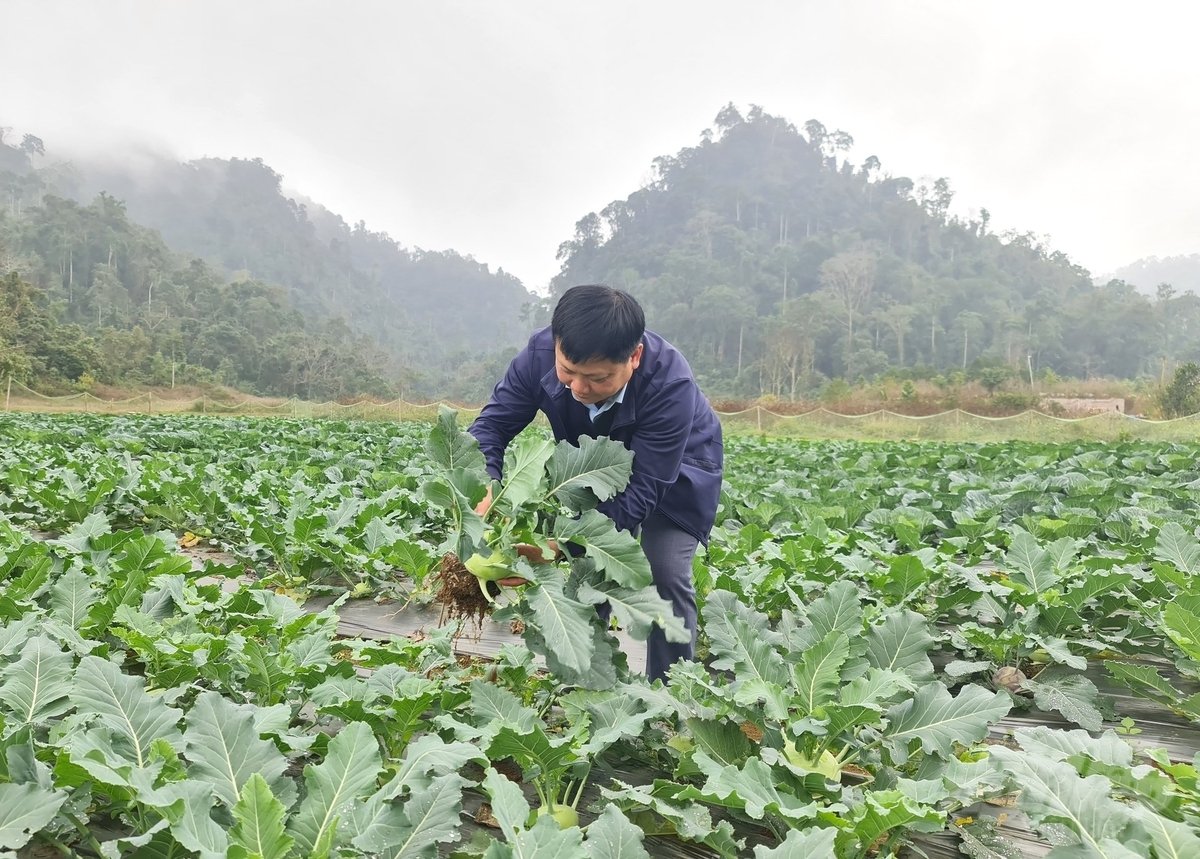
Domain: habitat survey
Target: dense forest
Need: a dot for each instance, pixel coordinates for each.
(775, 261)
(208, 272)
(777, 264)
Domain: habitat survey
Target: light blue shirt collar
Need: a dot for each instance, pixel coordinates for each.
(595, 410)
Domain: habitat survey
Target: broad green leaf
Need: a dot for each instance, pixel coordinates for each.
(1178, 547)
(1171, 839)
(1059, 745)
(939, 721)
(428, 818)
(258, 822)
(524, 472)
(901, 644)
(1030, 564)
(617, 553)
(546, 841)
(610, 716)
(838, 609)
(494, 707)
(508, 803)
(534, 749)
(188, 806)
(722, 741)
(638, 611)
(1073, 695)
(612, 836)
(123, 705)
(752, 787)
(24, 810)
(598, 468)
(742, 641)
(430, 754)
(904, 577)
(818, 674)
(1182, 621)
(223, 744)
(1053, 793)
(886, 810)
(565, 624)
(36, 687)
(335, 785)
(801, 844)
(450, 447)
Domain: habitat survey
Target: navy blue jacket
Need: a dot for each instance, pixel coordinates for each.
(664, 419)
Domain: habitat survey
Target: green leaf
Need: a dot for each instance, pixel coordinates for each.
(1030, 564)
(546, 841)
(801, 844)
(24, 810)
(450, 447)
(1059, 745)
(598, 468)
(612, 836)
(939, 721)
(524, 472)
(258, 822)
(565, 624)
(508, 803)
(1181, 619)
(742, 641)
(225, 749)
(494, 708)
(817, 677)
(752, 787)
(1178, 547)
(431, 754)
(616, 553)
(122, 704)
(534, 749)
(1053, 793)
(901, 644)
(335, 785)
(36, 687)
(430, 817)
(1073, 695)
(610, 716)
(1171, 839)
(839, 609)
(886, 810)
(638, 611)
(190, 814)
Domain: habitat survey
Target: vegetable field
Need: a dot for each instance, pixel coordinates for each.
(990, 650)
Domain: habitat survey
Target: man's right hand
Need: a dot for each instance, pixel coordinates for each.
(486, 504)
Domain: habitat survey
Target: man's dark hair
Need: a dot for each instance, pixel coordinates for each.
(594, 321)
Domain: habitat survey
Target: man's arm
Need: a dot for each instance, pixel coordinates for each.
(659, 440)
(511, 408)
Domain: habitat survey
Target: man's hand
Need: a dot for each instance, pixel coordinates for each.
(486, 504)
(533, 554)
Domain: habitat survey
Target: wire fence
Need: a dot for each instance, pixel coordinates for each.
(819, 423)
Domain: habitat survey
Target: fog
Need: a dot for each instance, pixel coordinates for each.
(492, 128)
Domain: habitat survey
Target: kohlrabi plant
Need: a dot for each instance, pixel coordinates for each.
(544, 508)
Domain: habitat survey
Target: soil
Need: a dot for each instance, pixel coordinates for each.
(459, 594)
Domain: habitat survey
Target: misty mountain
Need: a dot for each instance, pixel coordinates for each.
(420, 306)
(777, 264)
(1146, 274)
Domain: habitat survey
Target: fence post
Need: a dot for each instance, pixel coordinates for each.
(149, 402)
(8, 393)
(758, 416)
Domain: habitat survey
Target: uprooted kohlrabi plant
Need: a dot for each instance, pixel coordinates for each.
(546, 501)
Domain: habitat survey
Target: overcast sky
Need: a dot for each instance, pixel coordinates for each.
(492, 127)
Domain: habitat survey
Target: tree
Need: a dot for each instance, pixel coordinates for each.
(851, 276)
(1181, 397)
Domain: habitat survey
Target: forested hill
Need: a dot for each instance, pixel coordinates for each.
(777, 264)
(291, 299)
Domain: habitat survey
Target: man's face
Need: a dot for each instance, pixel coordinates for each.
(594, 381)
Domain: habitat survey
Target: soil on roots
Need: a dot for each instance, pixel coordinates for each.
(458, 592)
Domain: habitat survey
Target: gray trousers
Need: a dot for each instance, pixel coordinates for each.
(670, 551)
